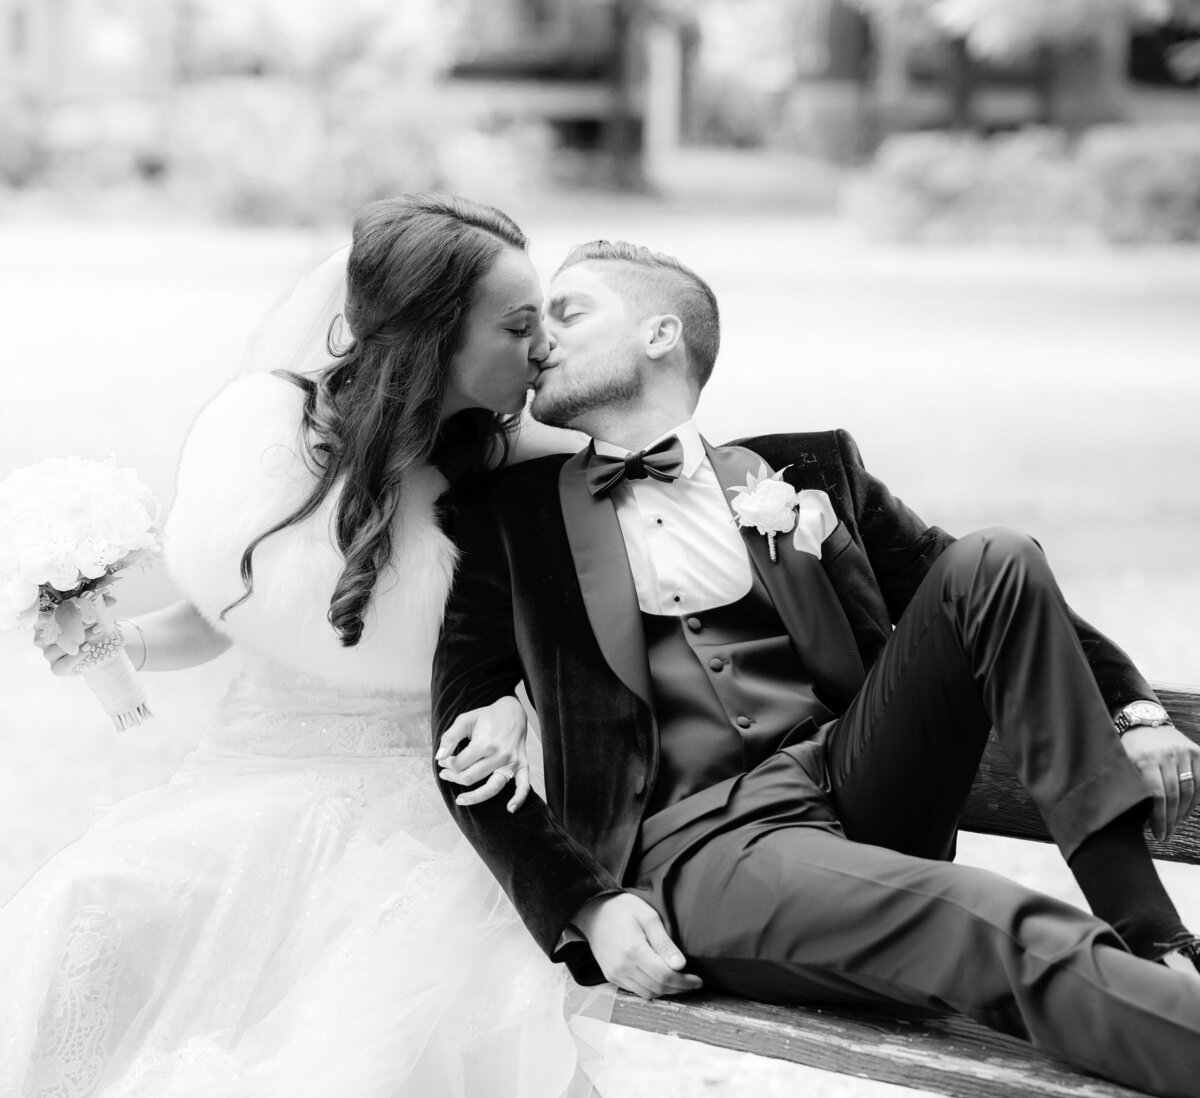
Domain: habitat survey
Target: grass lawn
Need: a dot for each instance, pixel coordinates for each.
(1056, 392)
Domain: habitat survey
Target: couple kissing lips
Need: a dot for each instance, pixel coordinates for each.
(543, 368)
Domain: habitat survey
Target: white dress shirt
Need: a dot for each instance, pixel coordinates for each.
(683, 544)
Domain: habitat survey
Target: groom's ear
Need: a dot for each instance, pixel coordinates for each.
(663, 335)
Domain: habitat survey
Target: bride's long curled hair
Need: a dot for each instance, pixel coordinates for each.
(375, 412)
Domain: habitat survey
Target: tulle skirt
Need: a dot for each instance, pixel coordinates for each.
(283, 927)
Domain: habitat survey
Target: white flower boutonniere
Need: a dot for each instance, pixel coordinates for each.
(774, 507)
(767, 503)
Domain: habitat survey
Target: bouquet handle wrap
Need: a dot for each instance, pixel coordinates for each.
(120, 691)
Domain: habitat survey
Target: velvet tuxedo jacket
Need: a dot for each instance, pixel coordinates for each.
(544, 595)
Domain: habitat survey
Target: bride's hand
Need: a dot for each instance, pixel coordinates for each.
(496, 751)
(64, 663)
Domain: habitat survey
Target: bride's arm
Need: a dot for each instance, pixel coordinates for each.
(173, 638)
(169, 639)
(534, 439)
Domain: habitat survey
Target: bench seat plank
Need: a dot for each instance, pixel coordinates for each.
(942, 1053)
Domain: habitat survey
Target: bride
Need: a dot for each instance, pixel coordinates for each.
(294, 913)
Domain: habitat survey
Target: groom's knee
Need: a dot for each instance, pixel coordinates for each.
(998, 554)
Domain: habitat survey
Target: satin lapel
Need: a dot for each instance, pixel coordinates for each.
(602, 566)
(805, 599)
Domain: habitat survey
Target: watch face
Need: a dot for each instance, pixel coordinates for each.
(1145, 711)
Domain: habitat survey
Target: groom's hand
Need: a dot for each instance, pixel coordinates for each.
(632, 946)
(1162, 754)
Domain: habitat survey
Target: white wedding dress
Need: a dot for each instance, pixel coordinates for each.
(294, 913)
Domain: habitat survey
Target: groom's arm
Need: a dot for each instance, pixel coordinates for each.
(547, 875)
(902, 549)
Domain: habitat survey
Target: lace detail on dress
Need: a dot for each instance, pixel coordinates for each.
(68, 1058)
(359, 735)
(201, 1067)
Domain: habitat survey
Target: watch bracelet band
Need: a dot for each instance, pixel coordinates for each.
(1124, 722)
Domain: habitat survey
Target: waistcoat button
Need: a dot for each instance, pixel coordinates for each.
(744, 722)
(694, 625)
(716, 664)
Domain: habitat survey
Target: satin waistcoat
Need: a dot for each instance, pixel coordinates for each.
(729, 689)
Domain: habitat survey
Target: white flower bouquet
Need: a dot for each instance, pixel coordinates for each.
(68, 529)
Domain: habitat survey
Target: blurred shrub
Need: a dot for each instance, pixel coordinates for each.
(1145, 182)
(731, 113)
(827, 119)
(275, 149)
(939, 186)
(267, 150)
(823, 119)
(1122, 183)
(22, 149)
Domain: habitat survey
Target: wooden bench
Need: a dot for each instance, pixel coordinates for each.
(943, 1053)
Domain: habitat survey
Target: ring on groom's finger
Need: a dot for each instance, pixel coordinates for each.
(505, 773)
(1186, 776)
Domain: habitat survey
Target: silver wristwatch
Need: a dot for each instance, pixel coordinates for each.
(1140, 713)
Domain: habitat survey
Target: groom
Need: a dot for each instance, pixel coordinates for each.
(764, 686)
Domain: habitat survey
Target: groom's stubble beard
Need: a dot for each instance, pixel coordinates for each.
(564, 408)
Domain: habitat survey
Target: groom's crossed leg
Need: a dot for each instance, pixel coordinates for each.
(801, 914)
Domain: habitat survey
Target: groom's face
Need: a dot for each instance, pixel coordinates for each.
(594, 349)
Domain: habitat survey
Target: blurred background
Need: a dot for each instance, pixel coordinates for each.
(966, 230)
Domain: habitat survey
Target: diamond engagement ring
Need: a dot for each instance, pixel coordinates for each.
(505, 773)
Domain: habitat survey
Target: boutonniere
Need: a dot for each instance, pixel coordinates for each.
(767, 503)
(774, 507)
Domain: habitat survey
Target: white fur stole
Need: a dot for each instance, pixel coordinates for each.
(242, 470)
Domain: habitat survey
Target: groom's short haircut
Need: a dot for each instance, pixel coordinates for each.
(658, 283)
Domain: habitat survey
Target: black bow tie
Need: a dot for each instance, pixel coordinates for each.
(662, 461)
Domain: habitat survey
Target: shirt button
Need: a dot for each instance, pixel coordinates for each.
(675, 598)
(694, 625)
(744, 722)
(716, 664)
(658, 522)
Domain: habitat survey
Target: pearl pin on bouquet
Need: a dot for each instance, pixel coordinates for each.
(69, 528)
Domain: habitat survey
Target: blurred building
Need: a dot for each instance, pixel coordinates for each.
(919, 82)
(607, 75)
(91, 84)
(863, 69)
